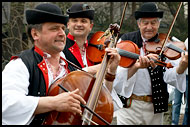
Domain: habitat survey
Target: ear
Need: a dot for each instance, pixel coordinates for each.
(35, 34)
(138, 23)
(68, 25)
(91, 26)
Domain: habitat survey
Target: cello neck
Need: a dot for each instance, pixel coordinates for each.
(95, 92)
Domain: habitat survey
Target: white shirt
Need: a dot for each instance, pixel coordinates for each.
(140, 83)
(17, 107)
(186, 45)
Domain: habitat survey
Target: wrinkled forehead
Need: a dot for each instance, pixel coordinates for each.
(149, 19)
(50, 24)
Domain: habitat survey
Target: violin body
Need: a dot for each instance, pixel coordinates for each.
(155, 47)
(96, 55)
(93, 53)
(84, 82)
(129, 46)
(172, 54)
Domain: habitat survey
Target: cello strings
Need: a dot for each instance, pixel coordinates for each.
(80, 114)
(89, 119)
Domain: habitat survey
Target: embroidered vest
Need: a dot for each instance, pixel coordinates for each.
(37, 85)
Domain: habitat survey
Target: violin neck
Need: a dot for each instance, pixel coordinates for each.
(173, 47)
(127, 54)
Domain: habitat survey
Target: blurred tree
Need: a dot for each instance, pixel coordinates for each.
(180, 29)
(14, 38)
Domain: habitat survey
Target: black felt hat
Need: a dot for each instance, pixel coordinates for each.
(81, 11)
(45, 12)
(148, 9)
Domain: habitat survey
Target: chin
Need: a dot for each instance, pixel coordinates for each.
(149, 36)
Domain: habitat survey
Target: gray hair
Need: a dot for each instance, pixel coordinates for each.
(139, 20)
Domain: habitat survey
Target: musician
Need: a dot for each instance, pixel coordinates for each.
(79, 25)
(140, 92)
(27, 77)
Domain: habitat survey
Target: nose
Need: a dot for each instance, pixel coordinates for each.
(61, 32)
(79, 23)
(149, 26)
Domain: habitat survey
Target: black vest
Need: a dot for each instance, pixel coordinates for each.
(37, 85)
(159, 87)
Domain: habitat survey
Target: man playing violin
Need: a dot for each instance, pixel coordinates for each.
(28, 76)
(79, 25)
(140, 92)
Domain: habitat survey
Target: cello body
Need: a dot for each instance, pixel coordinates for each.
(84, 82)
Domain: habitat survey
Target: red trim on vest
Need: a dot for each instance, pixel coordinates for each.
(76, 52)
(13, 57)
(70, 36)
(39, 51)
(43, 67)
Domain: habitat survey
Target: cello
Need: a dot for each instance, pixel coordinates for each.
(91, 89)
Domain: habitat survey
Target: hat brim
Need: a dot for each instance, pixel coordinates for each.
(140, 14)
(37, 17)
(81, 14)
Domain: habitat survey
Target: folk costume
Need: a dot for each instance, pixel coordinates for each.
(31, 74)
(144, 97)
(71, 50)
(72, 53)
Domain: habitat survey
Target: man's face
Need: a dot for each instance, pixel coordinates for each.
(148, 27)
(79, 27)
(51, 38)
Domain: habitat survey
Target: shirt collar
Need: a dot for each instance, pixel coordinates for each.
(144, 40)
(62, 62)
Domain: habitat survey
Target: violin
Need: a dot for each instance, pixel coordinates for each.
(96, 49)
(171, 54)
(128, 50)
(128, 58)
(155, 47)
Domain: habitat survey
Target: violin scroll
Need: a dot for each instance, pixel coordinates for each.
(114, 27)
